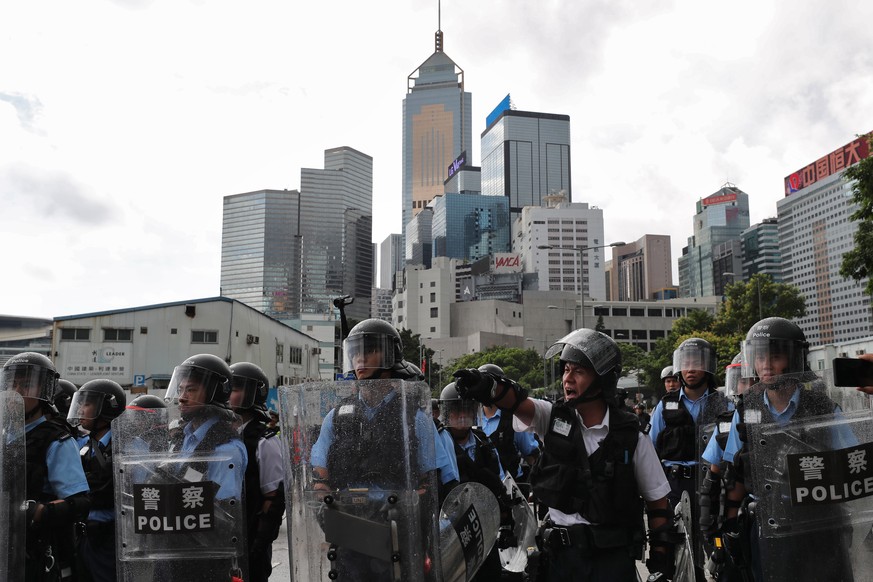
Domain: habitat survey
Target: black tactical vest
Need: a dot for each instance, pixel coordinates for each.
(678, 440)
(504, 441)
(484, 467)
(252, 434)
(98, 471)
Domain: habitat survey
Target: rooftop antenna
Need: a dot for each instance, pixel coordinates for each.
(438, 37)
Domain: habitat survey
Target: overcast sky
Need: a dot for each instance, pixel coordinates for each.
(124, 123)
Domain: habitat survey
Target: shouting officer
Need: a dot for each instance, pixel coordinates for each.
(92, 408)
(678, 424)
(57, 490)
(596, 470)
(265, 498)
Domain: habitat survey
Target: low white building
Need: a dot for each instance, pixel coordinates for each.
(139, 347)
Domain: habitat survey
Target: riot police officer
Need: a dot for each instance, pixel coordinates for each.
(92, 408)
(677, 427)
(513, 447)
(63, 397)
(57, 490)
(597, 468)
(775, 351)
(670, 379)
(264, 492)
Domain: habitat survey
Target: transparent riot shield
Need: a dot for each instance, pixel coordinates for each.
(12, 492)
(514, 557)
(360, 476)
(684, 554)
(713, 418)
(812, 480)
(469, 520)
(179, 510)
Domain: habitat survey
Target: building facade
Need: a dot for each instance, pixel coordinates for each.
(260, 250)
(640, 269)
(391, 254)
(470, 226)
(760, 249)
(720, 217)
(814, 232)
(336, 227)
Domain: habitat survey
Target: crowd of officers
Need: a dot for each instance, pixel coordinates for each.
(594, 468)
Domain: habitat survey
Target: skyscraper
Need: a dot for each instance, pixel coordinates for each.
(437, 119)
(526, 157)
(641, 269)
(761, 250)
(391, 254)
(470, 226)
(720, 217)
(336, 225)
(814, 232)
(260, 250)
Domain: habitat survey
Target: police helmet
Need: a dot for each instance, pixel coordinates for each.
(252, 380)
(97, 399)
(146, 402)
(206, 370)
(32, 375)
(457, 412)
(63, 396)
(373, 336)
(595, 350)
(774, 336)
(492, 369)
(695, 354)
(667, 373)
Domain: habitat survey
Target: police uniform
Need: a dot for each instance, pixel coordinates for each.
(53, 472)
(98, 542)
(511, 445)
(216, 436)
(598, 538)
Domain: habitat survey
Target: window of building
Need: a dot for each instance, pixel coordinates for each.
(619, 311)
(202, 336)
(433, 283)
(637, 311)
(433, 330)
(434, 311)
(638, 334)
(117, 334)
(76, 334)
(655, 312)
(143, 330)
(433, 297)
(295, 355)
(601, 311)
(656, 334)
(280, 353)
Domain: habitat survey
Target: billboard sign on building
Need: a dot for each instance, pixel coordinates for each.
(836, 161)
(506, 263)
(83, 362)
(720, 199)
(458, 163)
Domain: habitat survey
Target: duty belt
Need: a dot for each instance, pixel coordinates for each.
(681, 471)
(556, 536)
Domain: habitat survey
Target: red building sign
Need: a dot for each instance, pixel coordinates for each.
(836, 161)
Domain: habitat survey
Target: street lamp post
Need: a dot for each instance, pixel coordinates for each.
(581, 279)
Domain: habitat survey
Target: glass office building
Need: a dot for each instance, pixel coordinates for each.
(336, 226)
(526, 157)
(260, 250)
(470, 226)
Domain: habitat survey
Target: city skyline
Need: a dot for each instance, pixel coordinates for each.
(123, 134)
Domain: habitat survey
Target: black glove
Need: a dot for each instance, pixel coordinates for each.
(660, 563)
(473, 384)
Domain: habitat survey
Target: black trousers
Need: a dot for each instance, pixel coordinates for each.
(570, 564)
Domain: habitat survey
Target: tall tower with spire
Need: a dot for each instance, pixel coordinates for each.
(437, 122)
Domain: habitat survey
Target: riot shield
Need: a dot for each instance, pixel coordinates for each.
(684, 556)
(12, 492)
(360, 478)
(179, 510)
(813, 487)
(514, 558)
(469, 520)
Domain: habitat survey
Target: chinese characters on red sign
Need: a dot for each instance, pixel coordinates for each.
(836, 161)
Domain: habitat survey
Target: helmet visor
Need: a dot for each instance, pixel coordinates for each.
(734, 383)
(85, 405)
(594, 350)
(694, 357)
(366, 352)
(243, 391)
(193, 385)
(772, 357)
(459, 413)
(29, 381)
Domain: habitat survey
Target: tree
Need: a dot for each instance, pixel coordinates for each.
(525, 366)
(600, 325)
(632, 358)
(413, 348)
(747, 302)
(858, 262)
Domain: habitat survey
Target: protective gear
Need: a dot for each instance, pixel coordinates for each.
(595, 350)
(457, 412)
(679, 439)
(667, 372)
(251, 379)
(103, 399)
(774, 336)
(695, 354)
(63, 397)
(709, 497)
(373, 336)
(493, 369)
(206, 371)
(32, 375)
(476, 385)
(149, 401)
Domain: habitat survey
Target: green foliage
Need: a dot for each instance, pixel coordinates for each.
(858, 262)
(632, 358)
(747, 302)
(600, 325)
(523, 366)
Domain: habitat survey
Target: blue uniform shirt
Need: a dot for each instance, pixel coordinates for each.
(714, 453)
(525, 442)
(65, 474)
(230, 483)
(692, 406)
(447, 462)
(101, 515)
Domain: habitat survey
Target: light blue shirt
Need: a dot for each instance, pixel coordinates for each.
(229, 483)
(692, 406)
(447, 462)
(525, 442)
(65, 474)
(431, 455)
(101, 515)
(714, 453)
